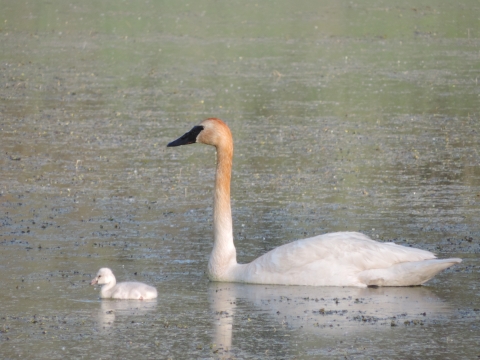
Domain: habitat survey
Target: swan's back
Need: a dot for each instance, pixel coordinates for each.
(335, 259)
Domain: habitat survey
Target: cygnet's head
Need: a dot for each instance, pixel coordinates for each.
(104, 276)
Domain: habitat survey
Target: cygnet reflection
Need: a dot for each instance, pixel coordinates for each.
(111, 309)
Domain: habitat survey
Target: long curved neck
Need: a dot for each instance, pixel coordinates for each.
(223, 254)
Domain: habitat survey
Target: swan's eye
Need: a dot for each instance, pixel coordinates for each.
(99, 276)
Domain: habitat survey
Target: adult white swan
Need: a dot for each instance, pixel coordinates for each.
(335, 259)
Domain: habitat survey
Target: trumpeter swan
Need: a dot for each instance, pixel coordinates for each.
(334, 259)
(125, 290)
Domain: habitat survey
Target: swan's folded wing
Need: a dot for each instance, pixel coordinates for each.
(406, 273)
(330, 259)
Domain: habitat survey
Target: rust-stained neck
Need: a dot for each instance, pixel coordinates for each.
(223, 256)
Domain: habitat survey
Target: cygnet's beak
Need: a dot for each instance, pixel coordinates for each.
(187, 138)
(94, 281)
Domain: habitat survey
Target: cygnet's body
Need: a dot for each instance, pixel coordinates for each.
(126, 290)
(334, 259)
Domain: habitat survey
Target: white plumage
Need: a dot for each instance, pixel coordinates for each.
(124, 290)
(334, 259)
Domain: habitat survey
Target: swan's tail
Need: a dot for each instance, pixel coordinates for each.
(407, 273)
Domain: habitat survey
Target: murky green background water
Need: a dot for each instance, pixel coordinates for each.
(345, 117)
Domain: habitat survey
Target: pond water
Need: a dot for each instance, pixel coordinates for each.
(345, 116)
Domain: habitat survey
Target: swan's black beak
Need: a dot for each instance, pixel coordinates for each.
(187, 138)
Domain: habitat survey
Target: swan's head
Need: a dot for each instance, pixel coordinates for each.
(210, 131)
(104, 276)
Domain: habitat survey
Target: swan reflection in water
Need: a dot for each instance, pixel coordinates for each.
(324, 311)
(110, 309)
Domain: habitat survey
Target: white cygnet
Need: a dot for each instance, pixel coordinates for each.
(125, 290)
